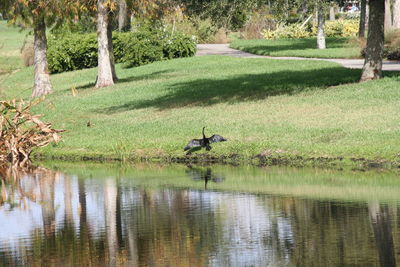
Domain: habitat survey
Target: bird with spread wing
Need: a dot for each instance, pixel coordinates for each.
(197, 144)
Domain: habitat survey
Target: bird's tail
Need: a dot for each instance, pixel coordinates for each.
(204, 136)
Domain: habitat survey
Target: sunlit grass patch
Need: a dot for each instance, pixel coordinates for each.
(306, 47)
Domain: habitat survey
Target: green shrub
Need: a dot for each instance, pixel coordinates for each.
(72, 52)
(340, 28)
(336, 28)
(139, 49)
(78, 51)
(179, 45)
(287, 31)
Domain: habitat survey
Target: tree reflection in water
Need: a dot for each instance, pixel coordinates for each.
(49, 218)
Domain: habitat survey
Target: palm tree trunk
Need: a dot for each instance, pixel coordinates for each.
(42, 85)
(374, 52)
(104, 73)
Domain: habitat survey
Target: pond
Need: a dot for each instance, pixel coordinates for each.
(92, 214)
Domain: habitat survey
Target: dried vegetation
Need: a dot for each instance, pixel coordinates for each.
(21, 132)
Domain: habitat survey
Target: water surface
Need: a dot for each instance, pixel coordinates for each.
(75, 214)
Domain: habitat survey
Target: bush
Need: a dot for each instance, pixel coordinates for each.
(287, 31)
(79, 51)
(336, 28)
(259, 20)
(340, 28)
(72, 52)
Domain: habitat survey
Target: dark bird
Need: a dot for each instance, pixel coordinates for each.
(197, 144)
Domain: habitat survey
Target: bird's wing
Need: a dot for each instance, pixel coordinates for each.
(192, 143)
(217, 138)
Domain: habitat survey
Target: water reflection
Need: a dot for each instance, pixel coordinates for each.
(52, 218)
(204, 174)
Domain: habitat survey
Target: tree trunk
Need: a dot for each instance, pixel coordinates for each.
(380, 220)
(388, 15)
(104, 73)
(396, 14)
(303, 10)
(110, 207)
(111, 48)
(332, 12)
(321, 27)
(124, 22)
(367, 15)
(42, 85)
(374, 52)
(363, 13)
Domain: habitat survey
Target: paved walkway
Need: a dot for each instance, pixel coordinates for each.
(224, 49)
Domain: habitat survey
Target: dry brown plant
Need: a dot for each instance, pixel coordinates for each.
(21, 132)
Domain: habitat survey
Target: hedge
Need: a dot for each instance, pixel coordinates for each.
(79, 51)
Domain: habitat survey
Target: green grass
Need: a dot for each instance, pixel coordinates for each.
(11, 41)
(287, 108)
(307, 47)
(284, 107)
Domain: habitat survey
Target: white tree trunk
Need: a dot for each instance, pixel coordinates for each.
(388, 16)
(104, 73)
(321, 28)
(332, 12)
(110, 207)
(42, 85)
(123, 16)
(374, 52)
(396, 14)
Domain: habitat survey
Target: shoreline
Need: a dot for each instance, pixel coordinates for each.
(339, 162)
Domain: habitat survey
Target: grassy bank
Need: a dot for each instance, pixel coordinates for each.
(307, 47)
(291, 110)
(271, 106)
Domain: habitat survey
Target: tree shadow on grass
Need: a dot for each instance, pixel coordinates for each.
(134, 78)
(249, 87)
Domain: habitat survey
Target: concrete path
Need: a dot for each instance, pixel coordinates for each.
(225, 50)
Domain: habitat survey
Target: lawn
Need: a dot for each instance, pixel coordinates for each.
(307, 47)
(11, 41)
(287, 107)
(278, 107)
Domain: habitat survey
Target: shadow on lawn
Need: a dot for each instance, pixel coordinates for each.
(205, 92)
(267, 47)
(150, 76)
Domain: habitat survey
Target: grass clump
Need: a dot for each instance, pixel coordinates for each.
(305, 47)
